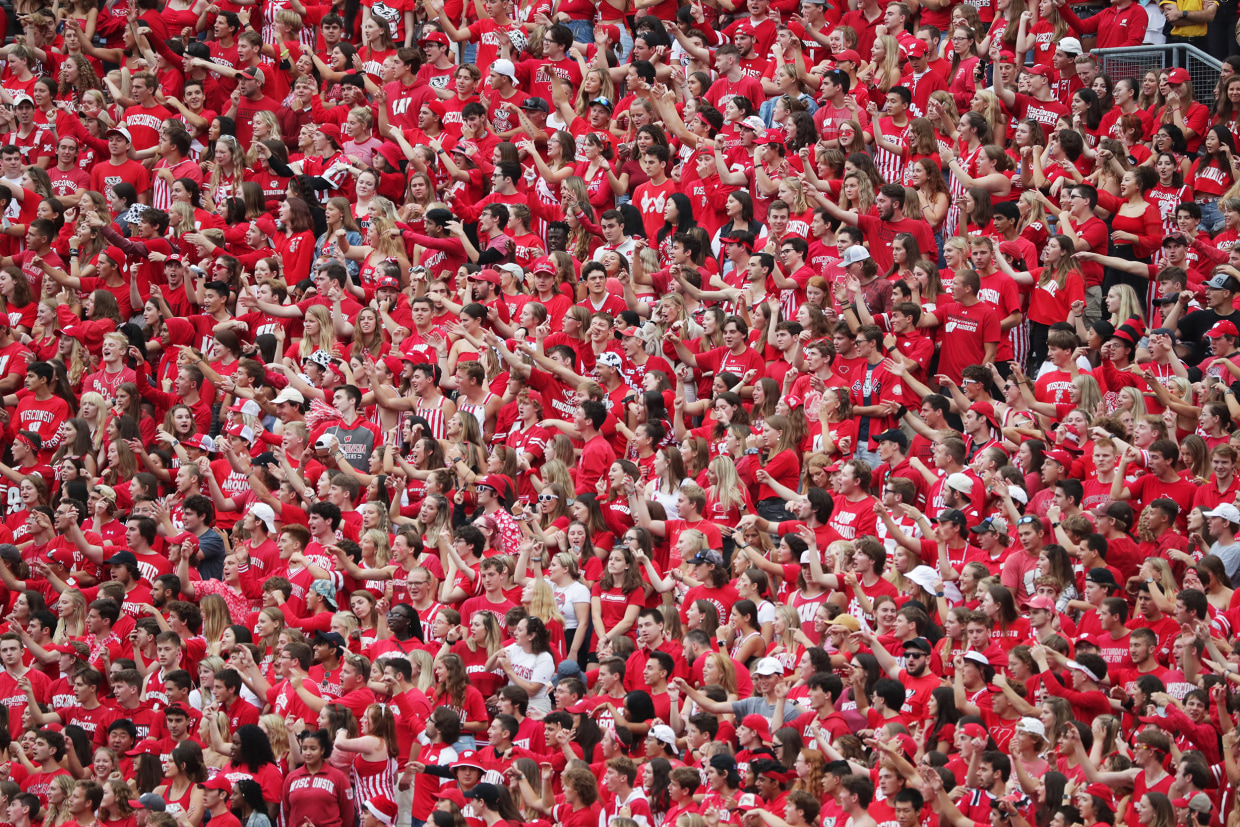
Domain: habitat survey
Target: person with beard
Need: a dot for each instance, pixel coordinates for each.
(915, 675)
(484, 287)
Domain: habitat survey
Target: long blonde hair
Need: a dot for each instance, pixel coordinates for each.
(727, 490)
(101, 407)
(865, 193)
(542, 602)
(75, 627)
(326, 338)
(887, 73)
(1037, 212)
(1129, 305)
(383, 550)
(1137, 400)
(426, 668)
(792, 623)
(272, 640)
(273, 124)
(607, 89)
(76, 367)
(238, 167)
(387, 245)
(55, 815)
(494, 637)
(215, 617)
(1090, 395)
(947, 105)
(992, 109)
(183, 219)
(727, 671)
(800, 203)
(277, 733)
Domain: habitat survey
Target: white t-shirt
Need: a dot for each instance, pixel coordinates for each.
(766, 612)
(569, 596)
(538, 669)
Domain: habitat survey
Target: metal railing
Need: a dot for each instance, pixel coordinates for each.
(1135, 61)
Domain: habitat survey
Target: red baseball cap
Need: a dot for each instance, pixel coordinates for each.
(1178, 75)
(1062, 457)
(1223, 328)
(487, 275)
(148, 746)
(394, 364)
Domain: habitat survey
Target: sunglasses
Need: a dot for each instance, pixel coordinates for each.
(546, 498)
(1025, 520)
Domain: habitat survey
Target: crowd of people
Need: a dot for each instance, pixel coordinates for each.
(618, 414)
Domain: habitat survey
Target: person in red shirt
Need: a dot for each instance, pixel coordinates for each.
(974, 323)
(1123, 23)
(1161, 480)
(250, 82)
(914, 675)
(1087, 670)
(145, 119)
(853, 516)
(316, 792)
(735, 356)
(651, 197)
(89, 714)
(119, 168)
(881, 230)
(597, 454)
(216, 796)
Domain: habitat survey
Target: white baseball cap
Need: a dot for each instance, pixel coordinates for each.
(854, 254)
(504, 67)
(768, 666)
(1226, 511)
(264, 514)
(1032, 726)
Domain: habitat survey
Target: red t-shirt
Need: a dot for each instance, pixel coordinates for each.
(971, 329)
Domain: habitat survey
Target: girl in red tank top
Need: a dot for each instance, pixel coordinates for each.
(184, 771)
